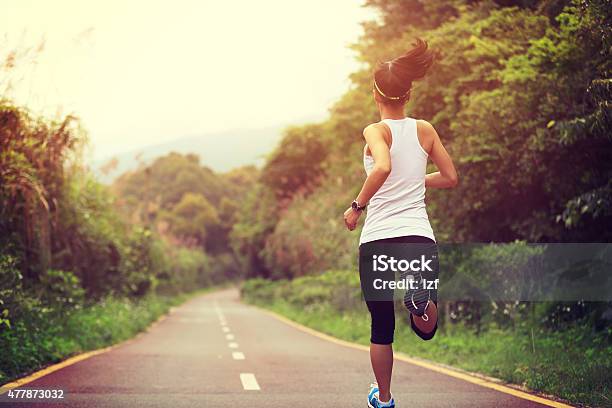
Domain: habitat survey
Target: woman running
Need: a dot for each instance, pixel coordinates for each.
(395, 159)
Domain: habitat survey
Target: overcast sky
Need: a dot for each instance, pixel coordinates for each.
(144, 72)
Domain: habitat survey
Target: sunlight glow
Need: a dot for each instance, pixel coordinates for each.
(144, 72)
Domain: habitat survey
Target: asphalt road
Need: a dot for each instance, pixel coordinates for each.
(214, 351)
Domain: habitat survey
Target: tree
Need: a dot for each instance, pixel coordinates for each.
(193, 219)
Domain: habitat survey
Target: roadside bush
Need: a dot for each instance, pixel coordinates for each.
(10, 288)
(187, 269)
(259, 290)
(61, 290)
(339, 290)
(142, 261)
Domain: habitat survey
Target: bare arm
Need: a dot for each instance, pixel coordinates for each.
(379, 149)
(446, 177)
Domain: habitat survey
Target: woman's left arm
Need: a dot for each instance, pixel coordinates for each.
(374, 136)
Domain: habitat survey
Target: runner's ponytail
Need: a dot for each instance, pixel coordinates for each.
(393, 79)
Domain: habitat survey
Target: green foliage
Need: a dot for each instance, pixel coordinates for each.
(54, 216)
(90, 239)
(299, 246)
(188, 268)
(596, 204)
(32, 156)
(162, 184)
(519, 94)
(254, 223)
(337, 289)
(72, 267)
(296, 165)
(10, 288)
(141, 262)
(193, 217)
(61, 290)
(186, 203)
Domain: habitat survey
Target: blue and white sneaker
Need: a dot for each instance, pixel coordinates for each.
(374, 402)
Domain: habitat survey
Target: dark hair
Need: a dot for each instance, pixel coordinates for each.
(393, 79)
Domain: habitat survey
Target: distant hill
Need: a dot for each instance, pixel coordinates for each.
(220, 151)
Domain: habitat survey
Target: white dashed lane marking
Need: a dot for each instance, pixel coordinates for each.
(249, 382)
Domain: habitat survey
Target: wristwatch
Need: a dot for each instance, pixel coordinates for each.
(355, 206)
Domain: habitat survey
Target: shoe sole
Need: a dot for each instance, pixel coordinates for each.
(423, 335)
(370, 405)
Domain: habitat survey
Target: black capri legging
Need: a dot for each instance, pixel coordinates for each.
(382, 312)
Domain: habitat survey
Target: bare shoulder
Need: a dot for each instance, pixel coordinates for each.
(425, 128)
(426, 134)
(377, 127)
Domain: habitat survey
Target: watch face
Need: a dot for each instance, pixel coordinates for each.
(355, 205)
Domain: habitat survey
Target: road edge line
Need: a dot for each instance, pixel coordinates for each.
(465, 376)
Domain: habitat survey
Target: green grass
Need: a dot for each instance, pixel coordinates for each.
(38, 340)
(573, 364)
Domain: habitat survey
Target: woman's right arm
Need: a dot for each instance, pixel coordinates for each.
(446, 177)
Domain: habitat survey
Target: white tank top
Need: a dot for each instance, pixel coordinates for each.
(398, 207)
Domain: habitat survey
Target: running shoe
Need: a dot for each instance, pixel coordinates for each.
(422, 334)
(374, 402)
(417, 296)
